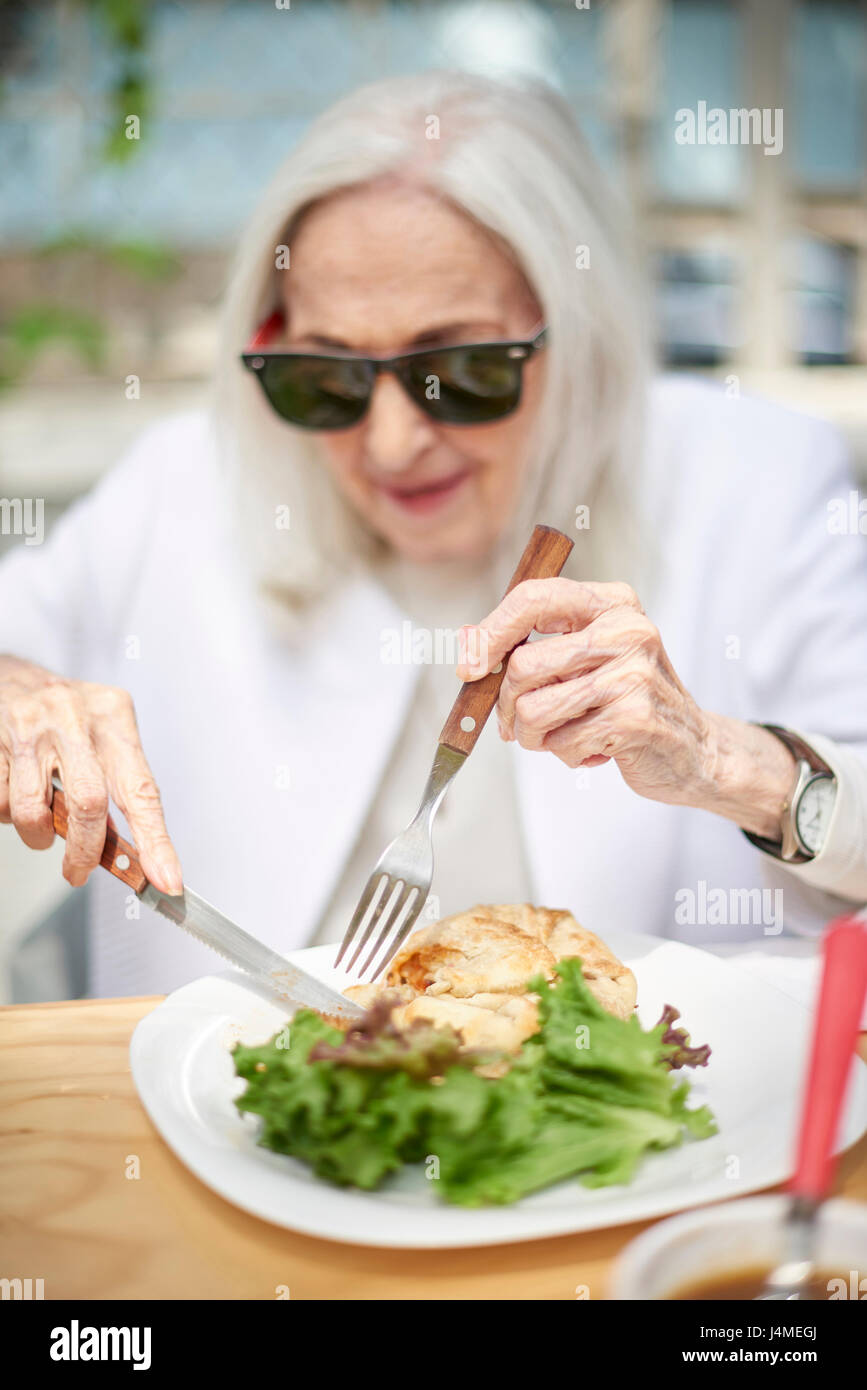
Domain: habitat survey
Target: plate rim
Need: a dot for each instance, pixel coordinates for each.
(512, 1224)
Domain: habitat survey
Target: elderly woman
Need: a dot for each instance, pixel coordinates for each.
(444, 347)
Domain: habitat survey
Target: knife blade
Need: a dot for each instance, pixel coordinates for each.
(210, 926)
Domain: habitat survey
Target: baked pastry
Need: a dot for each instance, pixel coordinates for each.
(471, 971)
(471, 953)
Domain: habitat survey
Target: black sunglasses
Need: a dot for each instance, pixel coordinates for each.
(469, 384)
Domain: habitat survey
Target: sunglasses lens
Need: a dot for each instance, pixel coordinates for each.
(465, 386)
(317, 393)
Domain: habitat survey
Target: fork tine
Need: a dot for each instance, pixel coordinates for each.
(375, 918)
(390, 916)
(409, 858)
(403, 931)
(363, 904)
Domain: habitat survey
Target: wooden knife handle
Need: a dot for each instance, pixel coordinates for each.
(118, 855)
(546, 553)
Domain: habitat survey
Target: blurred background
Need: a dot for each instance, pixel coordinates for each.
(113, 250)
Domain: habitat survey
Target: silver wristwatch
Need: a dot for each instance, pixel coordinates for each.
(809, 805)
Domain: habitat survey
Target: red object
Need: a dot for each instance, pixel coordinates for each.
(266, 330)
(835, 1034)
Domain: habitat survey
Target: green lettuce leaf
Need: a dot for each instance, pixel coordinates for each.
(587, 1097)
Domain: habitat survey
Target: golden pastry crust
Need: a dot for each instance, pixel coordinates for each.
(471, 970)
(471, 953)
(479, 1028)
(366, 995)
(612, 982)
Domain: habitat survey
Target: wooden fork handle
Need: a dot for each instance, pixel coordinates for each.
(546, 553)
(118, 855)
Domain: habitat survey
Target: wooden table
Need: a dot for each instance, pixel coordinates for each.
(72, 1127)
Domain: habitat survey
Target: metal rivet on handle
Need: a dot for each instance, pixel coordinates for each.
(497, 669)
(122, 861)
(468, 723)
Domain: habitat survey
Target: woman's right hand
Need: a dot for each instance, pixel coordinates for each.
(86, 734)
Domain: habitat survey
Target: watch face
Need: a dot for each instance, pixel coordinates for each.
(814, 812)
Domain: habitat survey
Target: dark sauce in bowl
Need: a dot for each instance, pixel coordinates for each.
(746, 1284)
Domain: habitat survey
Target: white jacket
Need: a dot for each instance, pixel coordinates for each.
(268, 754)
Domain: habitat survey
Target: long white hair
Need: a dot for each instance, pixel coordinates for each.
(510, 155)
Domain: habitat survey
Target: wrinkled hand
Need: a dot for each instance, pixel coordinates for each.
(87, 734)
(602, 687)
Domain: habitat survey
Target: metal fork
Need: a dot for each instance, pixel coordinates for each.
(398, 888)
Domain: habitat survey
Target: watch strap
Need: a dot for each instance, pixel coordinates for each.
(801, 752)
(799, 747)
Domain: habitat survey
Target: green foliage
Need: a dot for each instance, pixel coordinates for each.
(144, 260)
(35, 328)
(125, 23)
(28, 332)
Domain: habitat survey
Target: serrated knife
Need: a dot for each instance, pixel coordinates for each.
(203, 921)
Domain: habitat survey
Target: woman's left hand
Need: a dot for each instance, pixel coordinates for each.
(603, 687)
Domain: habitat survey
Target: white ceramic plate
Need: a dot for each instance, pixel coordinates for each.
(182, 1067)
